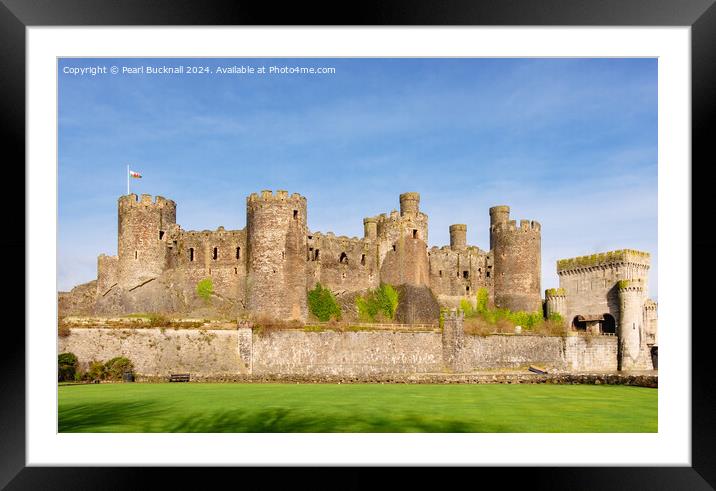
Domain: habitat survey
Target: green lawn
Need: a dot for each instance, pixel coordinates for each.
(211, 408)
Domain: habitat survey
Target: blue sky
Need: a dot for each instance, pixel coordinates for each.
(571, 143)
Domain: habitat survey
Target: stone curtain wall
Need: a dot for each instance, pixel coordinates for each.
(157, 352)
(217, 353)
(505, 351)
(351, 353)
(591, 353)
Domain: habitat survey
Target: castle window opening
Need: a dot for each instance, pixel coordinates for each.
(344, 258)
(161, 234)
(465, 274)
(467, 289)
(440, 273)
(216, 253)
(362, 260)
(135, 255)
(238, 253)
(315, 258)
(295, 214)
(236, 270)
(191, 254)
(283, 254)
(415, 233)
(487, 274)
(393, 246)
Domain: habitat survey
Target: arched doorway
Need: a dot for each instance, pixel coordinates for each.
(609, 324)
(579, 323)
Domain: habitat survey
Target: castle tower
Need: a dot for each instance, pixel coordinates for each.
(276, 241)
(142, 238)
(517, 261)
(556, 302)
(370, 228)
(458, 236)
(409, 203)
(632, 339)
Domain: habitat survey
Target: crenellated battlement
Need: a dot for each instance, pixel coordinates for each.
(635, 285)
(132, 200)
(611, 258)
(268, 196)
(555, 292)
(319, 238)
(512, 226)
(220, 232)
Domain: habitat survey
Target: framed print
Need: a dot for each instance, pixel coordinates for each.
(426, 107)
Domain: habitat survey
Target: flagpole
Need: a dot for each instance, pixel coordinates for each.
(127, 179)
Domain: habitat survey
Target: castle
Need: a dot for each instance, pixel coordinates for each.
(268, 267)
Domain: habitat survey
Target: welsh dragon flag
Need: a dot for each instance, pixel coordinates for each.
(135, 175)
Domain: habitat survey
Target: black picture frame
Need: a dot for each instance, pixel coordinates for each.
(700, 15)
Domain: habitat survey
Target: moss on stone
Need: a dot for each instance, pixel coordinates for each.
(621, 255)
(553, 292)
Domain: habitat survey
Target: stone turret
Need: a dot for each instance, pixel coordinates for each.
(556, 302)
(276, 268)
(370, 228)
(517, 261)
(409, 203)
(632, 339)
(458, 236)
(142, 238)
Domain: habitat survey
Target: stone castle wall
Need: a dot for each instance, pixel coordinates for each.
(350, 353)
(341, 263)
(157, 352)
(219, 255)
(460, 272)
(216, 353)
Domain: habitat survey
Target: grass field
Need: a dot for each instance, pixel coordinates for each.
(211, 408)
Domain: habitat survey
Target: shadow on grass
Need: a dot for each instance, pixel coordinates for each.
(282, 420)
(106, 416)
(149, 417)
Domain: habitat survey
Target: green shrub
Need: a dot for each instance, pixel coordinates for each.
(322, 303)
(482, 299)
(467, 308)
(95, 371)
(383, 302)
(115, 368)
(388, 298)
(66, 366)
(205, 289)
